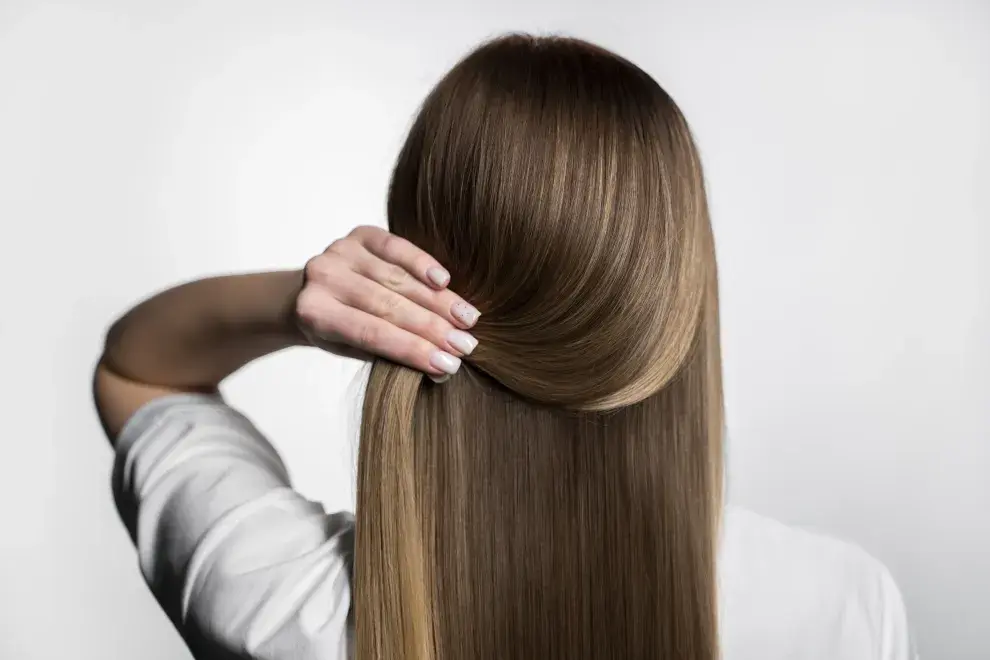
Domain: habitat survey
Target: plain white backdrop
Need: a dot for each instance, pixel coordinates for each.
(847, 149)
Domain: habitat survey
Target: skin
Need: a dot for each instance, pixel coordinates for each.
(368, 294)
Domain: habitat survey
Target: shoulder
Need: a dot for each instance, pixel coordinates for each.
(789, 592)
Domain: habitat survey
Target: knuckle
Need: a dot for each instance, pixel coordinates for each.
(363, 233)
(314, 268)
(308, 309)
(395, 277)
(438, 328)
(390, 244)
(320, 268)
(339, 247)
(387, 305)
(368, 336)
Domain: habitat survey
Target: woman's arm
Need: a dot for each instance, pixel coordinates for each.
(371, 292)
(189, 338)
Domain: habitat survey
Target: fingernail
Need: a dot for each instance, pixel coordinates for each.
(465, 313)
(438, 275)
(440, 379)
(462, 341)
(445, 362)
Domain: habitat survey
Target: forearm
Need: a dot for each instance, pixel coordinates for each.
(194, 335)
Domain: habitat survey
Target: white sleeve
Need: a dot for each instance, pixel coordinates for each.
(895, 634)
(242, 564)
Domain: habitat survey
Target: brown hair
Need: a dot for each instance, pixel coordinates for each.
(560, 496)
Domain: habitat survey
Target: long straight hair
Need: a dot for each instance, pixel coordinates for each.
(560, 496)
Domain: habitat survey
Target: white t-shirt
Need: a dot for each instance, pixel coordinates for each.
(247, 568)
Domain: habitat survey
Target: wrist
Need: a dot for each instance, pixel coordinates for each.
(267, 306)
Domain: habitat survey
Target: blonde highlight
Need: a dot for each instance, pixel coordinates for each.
(560, 496)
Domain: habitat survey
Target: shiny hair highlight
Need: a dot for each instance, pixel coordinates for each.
(560, 496)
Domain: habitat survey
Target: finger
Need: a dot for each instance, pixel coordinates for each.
(373, 335)
(370, 297)
(444, 303)
(397, 250)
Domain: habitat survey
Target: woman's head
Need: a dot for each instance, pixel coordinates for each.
(558, 497)
(560, 184)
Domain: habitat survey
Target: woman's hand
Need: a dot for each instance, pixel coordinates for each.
(375, 293)
(369, 293)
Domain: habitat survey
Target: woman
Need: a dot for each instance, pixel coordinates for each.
(556, 490)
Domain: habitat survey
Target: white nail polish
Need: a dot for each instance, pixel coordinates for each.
(465, 313)
(445, 362)
(439, 379)
(462, 341)
(438, 276)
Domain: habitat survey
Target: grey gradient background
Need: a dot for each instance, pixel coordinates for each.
(848, 154)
